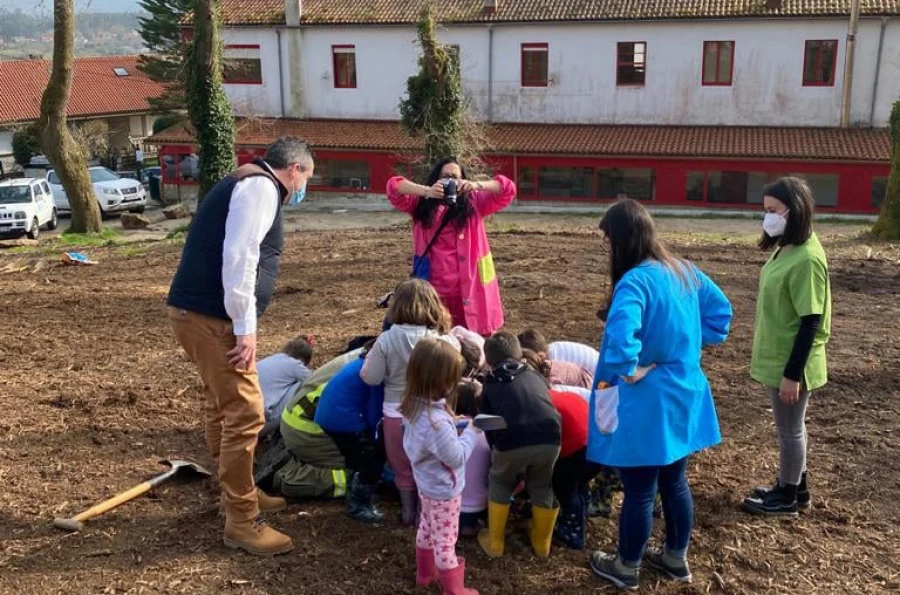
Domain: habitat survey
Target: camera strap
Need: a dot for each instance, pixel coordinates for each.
(448, 213)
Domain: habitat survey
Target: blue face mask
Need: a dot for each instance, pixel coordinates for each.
(297, 196)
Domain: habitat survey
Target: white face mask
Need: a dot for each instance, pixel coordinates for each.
(774, 224)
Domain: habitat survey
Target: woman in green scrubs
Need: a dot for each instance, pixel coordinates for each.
(793, 323)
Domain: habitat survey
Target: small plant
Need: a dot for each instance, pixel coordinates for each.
(435, 108)
(107, 237)
(178, 232)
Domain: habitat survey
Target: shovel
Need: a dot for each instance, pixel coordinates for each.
(180, 468)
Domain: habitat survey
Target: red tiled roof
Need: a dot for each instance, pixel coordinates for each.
(96, 89)
(271, 12)
(819, 144)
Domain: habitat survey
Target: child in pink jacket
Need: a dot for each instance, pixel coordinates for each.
(459, 265)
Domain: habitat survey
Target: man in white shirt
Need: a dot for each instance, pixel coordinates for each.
(224, 282)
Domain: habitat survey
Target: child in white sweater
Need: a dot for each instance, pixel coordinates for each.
(438, 458)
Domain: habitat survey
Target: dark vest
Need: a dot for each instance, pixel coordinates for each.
(198, 285)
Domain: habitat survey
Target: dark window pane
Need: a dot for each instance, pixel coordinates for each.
(710, 55)
(879, 189)
(242, 70)
(566, 182)
(756, 183)
(632, 63)
(727, 187)
(341, 173)
(826, 74)
(695, 183)
(819, 62)
(535, 64)
(345, 68)
(625, 183)
(526, 183)
(726, 53)
(717, 62)
(824, 188)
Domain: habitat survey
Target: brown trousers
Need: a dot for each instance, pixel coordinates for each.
(233, 408)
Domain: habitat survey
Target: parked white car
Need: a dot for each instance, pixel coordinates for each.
(26, 205)
(114, 193)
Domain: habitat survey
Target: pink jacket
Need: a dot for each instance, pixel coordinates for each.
(461, 261)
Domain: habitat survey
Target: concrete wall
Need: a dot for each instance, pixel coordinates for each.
(767, 87)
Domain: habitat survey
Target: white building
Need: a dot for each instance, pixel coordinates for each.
(759, 64)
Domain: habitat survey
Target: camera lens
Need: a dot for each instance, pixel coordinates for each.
(450, 191)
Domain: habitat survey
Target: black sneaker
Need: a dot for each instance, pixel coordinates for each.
(657, 559)
(777, 502)
(608, 567)
(804, 500)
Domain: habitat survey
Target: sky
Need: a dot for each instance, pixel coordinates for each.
(80, 5)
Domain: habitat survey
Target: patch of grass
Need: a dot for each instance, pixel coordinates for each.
(178, 232)
(21, 250)
(107, 237)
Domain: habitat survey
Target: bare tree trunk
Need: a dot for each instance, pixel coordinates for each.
(887, 227)
(208, 106)
(64, 154)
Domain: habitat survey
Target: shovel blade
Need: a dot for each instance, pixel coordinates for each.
(182, 467)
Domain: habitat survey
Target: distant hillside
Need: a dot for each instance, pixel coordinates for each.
(25, 34)
(80, 5)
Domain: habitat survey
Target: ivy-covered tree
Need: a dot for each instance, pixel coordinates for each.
(888, 225)
(161, 31)
(435, 107)
(60, 148)
(26, 143)
(208, 107)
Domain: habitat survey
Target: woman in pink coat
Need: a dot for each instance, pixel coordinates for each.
(459, 266)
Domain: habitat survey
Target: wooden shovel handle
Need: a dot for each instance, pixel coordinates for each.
(114, 501)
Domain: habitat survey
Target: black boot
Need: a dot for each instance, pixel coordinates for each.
(780, 501)
(804, 499)
(360, 502)
(569, 529)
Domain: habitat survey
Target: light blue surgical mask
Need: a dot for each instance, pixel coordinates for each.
(297, 196)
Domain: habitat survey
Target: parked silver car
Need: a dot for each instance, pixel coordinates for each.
(114, 193)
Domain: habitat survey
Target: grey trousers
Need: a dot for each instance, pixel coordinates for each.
(790, 426)
(536, 462)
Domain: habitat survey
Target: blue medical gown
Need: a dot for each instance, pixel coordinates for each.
(655, 318)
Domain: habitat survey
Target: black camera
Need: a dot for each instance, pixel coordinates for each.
(450, 193)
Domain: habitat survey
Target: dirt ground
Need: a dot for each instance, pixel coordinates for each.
(94, 392)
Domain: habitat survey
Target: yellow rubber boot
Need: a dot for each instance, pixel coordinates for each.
(540, 532)
(493, 539)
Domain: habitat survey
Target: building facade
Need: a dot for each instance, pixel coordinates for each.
(666, 70)
(108, 90)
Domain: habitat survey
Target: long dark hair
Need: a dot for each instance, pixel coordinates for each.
(797, 196)
(632, 240)
(426, 208)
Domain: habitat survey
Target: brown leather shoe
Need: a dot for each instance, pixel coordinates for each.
(267, 503)
(256, 537)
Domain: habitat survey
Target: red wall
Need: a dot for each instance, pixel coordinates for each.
(854, 189)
